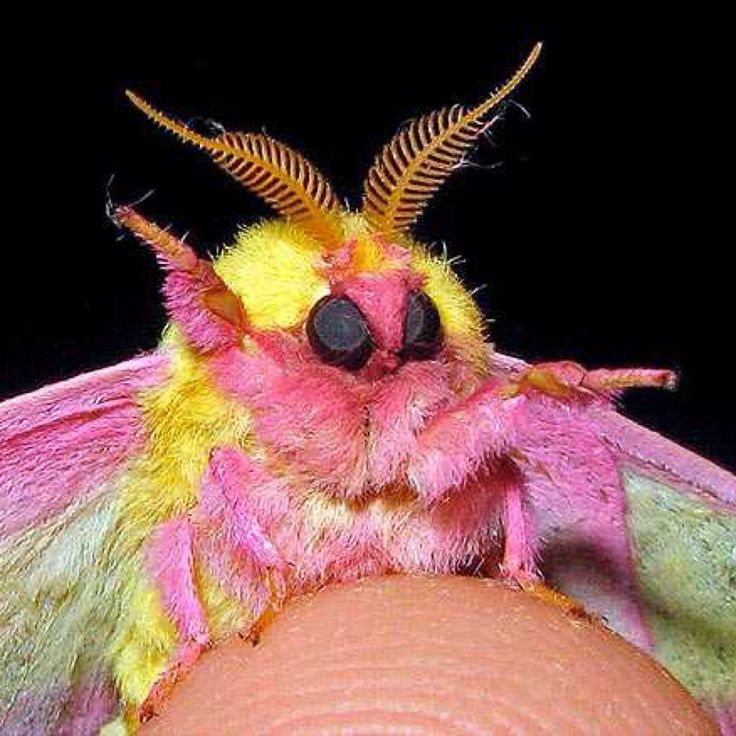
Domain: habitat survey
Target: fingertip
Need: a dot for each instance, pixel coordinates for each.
(440, 655)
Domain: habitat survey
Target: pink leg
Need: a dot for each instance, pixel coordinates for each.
(239, 500)
(622, 378)
(458, 441)
(564, 378)
(518, 555)
(170, 559)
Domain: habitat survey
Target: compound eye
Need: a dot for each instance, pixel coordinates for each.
(422, 328)
(338, 333)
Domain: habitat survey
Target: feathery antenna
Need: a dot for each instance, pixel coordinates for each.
(270, 169)
(420, 158)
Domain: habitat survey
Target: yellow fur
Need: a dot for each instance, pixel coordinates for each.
(272, 267)
(461, 319)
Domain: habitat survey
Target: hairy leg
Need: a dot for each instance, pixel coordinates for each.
(240, 501)
(518, 555)
(170, 559)
(238, 498)
(456, 443)
(565, 378)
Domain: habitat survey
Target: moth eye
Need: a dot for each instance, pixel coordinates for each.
(422, 328)
(338, 333)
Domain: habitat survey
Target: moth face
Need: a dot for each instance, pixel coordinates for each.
(374, 323)
(350, 348)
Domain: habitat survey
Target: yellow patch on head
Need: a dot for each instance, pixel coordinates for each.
(368, 252)
(461, 318)
(274, 268)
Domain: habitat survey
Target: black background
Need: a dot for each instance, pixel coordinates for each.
(598, 226)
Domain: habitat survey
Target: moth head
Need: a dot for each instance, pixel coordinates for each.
(367, 308)
(361, 292)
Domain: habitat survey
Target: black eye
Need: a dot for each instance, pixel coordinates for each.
(422, 328)
(338, 333)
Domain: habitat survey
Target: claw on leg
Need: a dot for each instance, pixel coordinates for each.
(275, 584)
(553, 597)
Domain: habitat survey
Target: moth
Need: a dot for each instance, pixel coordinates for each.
(324, 405)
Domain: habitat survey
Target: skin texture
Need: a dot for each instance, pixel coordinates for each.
(441, 655)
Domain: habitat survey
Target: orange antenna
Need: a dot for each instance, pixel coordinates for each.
(276, 173)
(419, 158)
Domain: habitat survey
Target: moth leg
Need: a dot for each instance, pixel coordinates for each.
(519, 557)
(457, 442)
(564, 379)
(170, 558)
(623, 378)
(518, 554)
(240, 499)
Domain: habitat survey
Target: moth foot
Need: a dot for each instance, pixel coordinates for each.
(277, 588)
(569, 606)
(520, 576)
(184, 660)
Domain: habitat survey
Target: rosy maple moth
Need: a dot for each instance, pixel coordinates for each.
(324, 405)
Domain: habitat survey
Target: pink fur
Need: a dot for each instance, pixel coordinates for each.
(575, 498)
(399, 408)
(382, 298)
(349, 435)
(63, 442)
(239, 500)
(456, 443)
(310, 414)
(184, 292)
(92, 704)
(519, 547)
(171, 562)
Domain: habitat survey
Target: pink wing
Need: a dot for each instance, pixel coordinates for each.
(63, 447)
(642, 531)
(64, 441)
